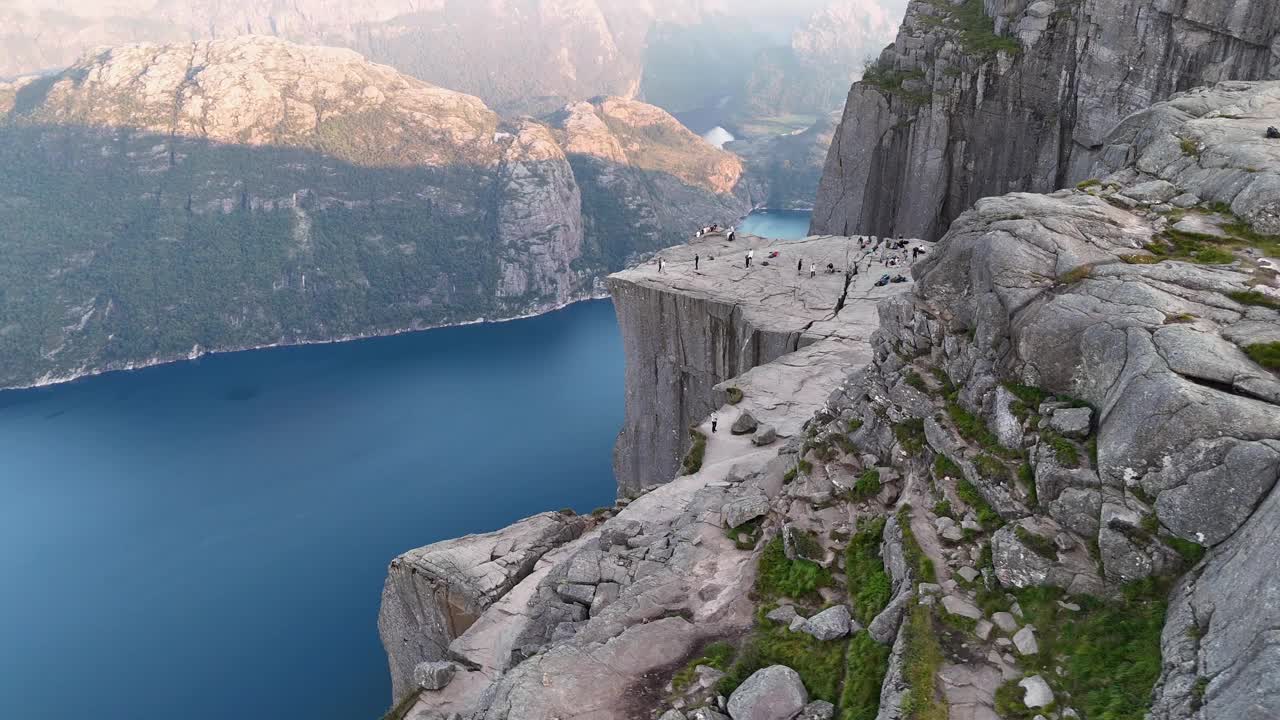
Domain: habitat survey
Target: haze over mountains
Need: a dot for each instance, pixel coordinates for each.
(516, 55)
(161, 200)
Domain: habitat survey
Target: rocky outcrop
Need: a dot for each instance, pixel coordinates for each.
(659, 577)
(434, 594)
(725, 320)
(982, 98)
(285, 194)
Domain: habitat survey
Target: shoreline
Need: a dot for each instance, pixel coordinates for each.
(49, 380)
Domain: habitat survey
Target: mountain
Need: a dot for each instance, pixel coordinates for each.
(1041, 477)
(517, 55)
(980, 98)
(161, 201)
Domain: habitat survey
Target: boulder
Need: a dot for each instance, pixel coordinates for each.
(765, 435)
(797, 623)
(433, 676)
(783, 615)
(1038, 694)
(746, 423)
(829, 624)
(969, 574)
(817, 710)
(774, 693)
(576, 592)
(1072, 422)
(706, 713)
(606, 594)
(1025, 641)
(744, 509)
(983, 629)
(673, 715)
(1005, 622)
(1152, 192)
(957, 605)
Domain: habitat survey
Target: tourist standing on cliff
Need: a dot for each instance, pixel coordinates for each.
(813, 270)
(696, 259)
(732, 235)
(799, 265)
(662, 265)
(750, 255)
(713, 424)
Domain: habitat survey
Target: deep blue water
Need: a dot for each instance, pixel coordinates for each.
(777, 224)
(208, 540)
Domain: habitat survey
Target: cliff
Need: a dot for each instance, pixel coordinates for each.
(163, 201)
(626, 591)
(982, 98)
(724, 320)
(1045, 484)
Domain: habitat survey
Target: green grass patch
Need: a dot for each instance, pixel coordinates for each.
(854, 426)
(1009, 703)
(1038, 544)
(735, 395)
(1190, 148)
(910, 435)
(943, 466)
(868, 583)
(718, 655)
(1253, 297)
(1267, 244)
(1074, 276)
(1109, 651)
(1027, 476)
(988, 518)
(1191, 552)
(867, 663)
(1086, 184)
(943, 508)
(975, 29)
(991, 467)
(779, 577)
(697, 451)
(913, 379)
(820, 664)
(750, 529)
(789, 476)
(1064, 451)
(868, 485)
(806, 545)
(1265, 354)
(923, 659)
(1202, 249)
(892, 82)
(973, 428)
(916, 559)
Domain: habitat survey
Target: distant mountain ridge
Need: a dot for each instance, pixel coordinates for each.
(517, 55)
(168, 200)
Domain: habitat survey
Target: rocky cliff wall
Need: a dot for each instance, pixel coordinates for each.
(724, 320)
(982, 98)
(1047, 480)
(278, 194)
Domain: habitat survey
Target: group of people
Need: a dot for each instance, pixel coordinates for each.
(730, 235)
(892, 253)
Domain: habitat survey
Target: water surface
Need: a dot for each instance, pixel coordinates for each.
(208, 540)
(777, 224)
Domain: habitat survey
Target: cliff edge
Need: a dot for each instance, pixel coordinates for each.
(978, 98)
(1047, 484)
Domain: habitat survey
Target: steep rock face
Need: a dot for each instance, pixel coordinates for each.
(251, 192)
(540, 230)
(655, 579)
(726, 320)
(977, 99)
(434, 594)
